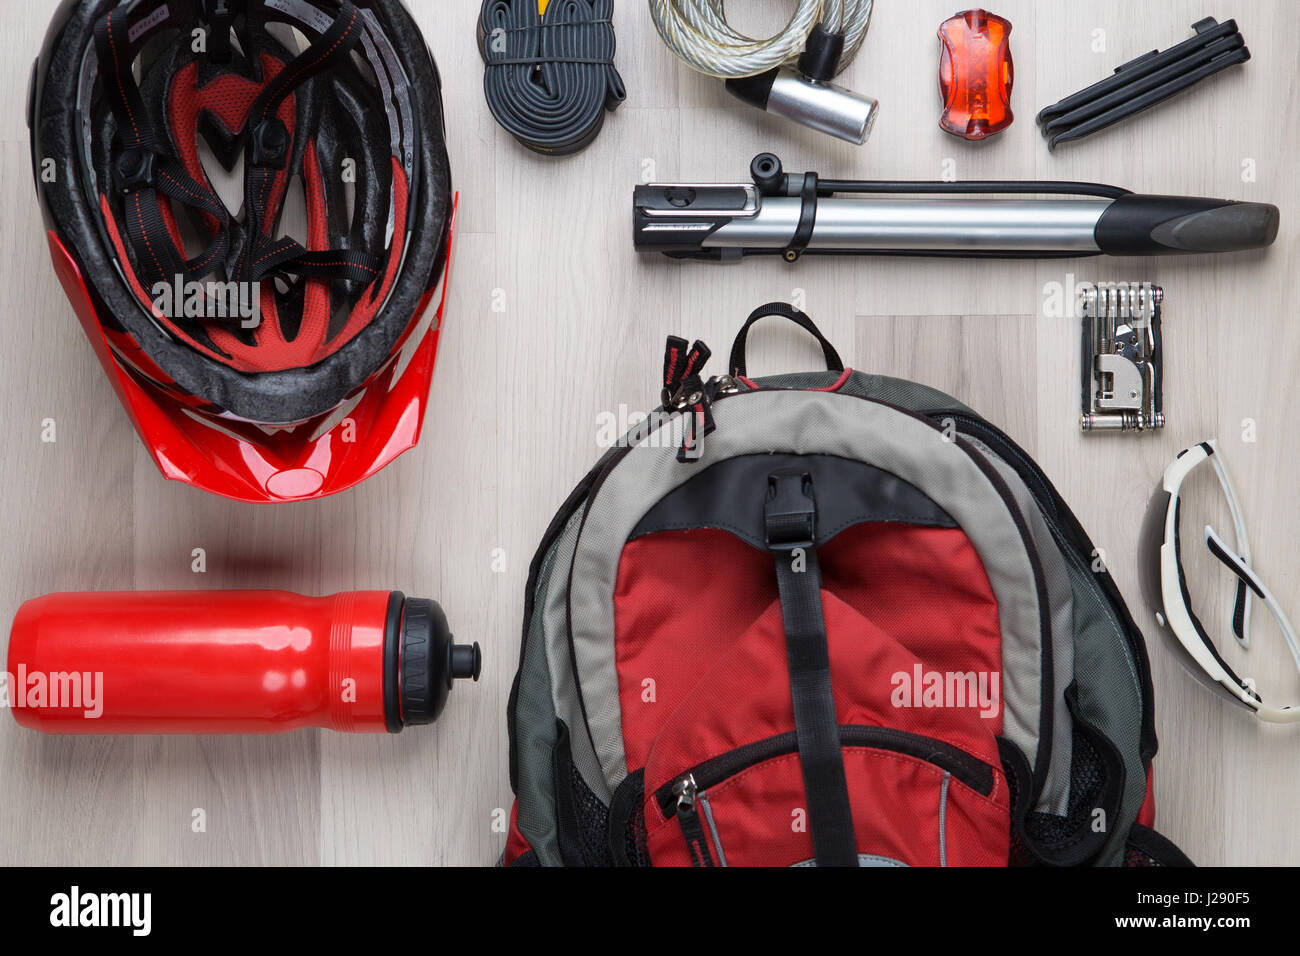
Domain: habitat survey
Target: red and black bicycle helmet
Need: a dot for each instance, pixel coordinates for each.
(336, 103)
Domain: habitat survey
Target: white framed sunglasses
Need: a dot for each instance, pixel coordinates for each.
(1164, 583)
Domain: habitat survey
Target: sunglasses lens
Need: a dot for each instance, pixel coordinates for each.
(1150, 540)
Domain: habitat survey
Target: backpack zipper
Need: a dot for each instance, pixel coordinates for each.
(684, 796)
(964, 767)
(687, 794)
(984, 431)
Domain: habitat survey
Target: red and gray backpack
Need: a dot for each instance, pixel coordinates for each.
(825, 618)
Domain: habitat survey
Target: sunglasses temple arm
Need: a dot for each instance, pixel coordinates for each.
(1247, 578)
(1241, 606)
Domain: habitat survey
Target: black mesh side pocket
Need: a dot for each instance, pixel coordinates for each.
(1146, 847)
(582, 819)
(627, 836)
(1096, 783)
(1071, 836)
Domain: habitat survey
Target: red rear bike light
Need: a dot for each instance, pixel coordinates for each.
(975, 74)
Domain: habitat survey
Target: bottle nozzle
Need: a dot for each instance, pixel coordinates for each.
(466, 661)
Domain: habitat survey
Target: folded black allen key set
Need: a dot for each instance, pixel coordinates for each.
(1144, 82)
(876, 632)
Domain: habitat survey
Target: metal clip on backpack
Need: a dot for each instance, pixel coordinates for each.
(825, 618)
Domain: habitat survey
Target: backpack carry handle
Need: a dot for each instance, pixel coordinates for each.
(785, 310)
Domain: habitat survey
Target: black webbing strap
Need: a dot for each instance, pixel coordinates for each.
(146, 168)
(738, 364)
(287, 255)
(221, 14)
(267, 153)
(790, 516)
(135, 170)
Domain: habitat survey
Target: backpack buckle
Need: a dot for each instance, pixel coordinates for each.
(790, 512)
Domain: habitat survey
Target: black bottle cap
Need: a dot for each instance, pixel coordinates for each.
(428, 661)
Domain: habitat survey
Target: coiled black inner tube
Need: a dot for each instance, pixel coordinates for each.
(549, 76)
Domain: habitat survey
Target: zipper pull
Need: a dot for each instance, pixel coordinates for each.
(697, 411)
(681, 364)
(696, 359)
(687, 793)
(684, 391)
(674, 367)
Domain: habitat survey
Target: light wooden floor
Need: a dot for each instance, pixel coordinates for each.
(519, 396)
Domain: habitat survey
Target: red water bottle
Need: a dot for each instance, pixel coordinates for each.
(210, 662)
